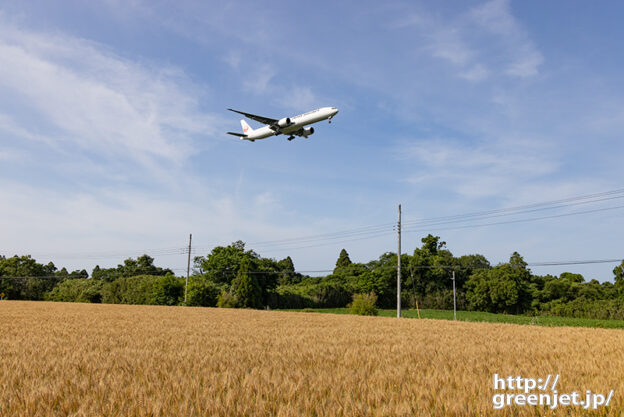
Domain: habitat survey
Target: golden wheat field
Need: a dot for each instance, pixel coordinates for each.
(62, 359)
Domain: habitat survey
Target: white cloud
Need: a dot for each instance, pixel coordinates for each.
(479, 43)
(496, 17)
(495, 168)
(523, 57)
(257, 79)
(297, 97)
(233, 59)
(7, 155)
(475, 73)
(9, 126)
(97, 101)
(79, 229)
(447, 43)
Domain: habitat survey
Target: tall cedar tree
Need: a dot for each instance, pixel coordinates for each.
(248, 290)
(343, 260)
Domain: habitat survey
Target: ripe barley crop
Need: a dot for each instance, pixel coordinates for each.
(115, 360)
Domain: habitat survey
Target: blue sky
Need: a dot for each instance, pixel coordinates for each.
(113, 121)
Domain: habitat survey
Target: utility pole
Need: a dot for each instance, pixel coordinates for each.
(399, 268)
(188, 267)
(454, 301)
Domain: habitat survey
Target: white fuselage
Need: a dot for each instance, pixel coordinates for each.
(296, 123)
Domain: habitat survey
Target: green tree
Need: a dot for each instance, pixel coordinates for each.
(432, 244)
(287, 274)
(328, 294)
(221, 265)
(248, 290)
(143, 265)
(202, 292)
(144, 289)
(380, 277)
(267, 273)
(343, 260)
(618, 272)
(77, 290)
(25, 278)
(502, 289)
(167, 290)
(570, 277)
(466, 266)
(562, 289)
(429, 268)
(25, 266)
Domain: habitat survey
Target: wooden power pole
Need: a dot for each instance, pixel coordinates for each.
(454, 299)
(188, 267)
(399, 268)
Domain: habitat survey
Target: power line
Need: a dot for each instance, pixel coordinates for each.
(562, 263)
(596, 197)
(523, 220)
(384, 229)
(511, 212)
(371, 232)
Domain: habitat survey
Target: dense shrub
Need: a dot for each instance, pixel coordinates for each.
(582, 308)
(329, 295)
(364, 304)
(77, 290)
(144, 289)
(288, 297)
(202, 292)
(310, 293)
(227, 299)
(167, 290)
(17, 288)
(441, 300)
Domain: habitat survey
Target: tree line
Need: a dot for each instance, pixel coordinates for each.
(233, 276)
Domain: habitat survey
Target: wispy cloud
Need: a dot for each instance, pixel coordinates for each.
(258, 78)
(96, 101)
(495, 17)
(298, 97)
(484, 41)
(496, 168)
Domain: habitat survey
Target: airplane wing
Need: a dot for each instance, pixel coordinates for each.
(260, 119)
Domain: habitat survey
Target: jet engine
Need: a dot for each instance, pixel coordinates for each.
(307, 131)
(285, 122)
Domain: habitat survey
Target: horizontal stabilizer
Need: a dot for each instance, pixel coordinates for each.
(237, 134)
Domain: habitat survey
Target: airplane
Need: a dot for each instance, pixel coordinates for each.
(292, 126)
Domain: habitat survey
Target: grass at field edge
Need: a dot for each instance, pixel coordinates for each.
(477, 316)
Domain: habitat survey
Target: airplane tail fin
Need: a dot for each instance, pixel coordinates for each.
(246, 128)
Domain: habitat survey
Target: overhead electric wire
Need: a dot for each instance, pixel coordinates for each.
(503, 214)
(555, 203)
(427, 224)
(384, 229)
(430, 228)
(563, 263)
(327, 236)
(470, 226)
